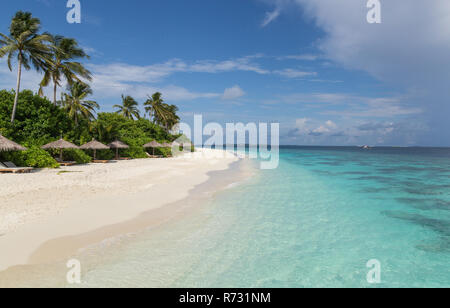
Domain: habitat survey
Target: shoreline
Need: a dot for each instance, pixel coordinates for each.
(81, 225)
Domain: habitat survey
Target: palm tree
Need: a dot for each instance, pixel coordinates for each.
(129, 108)
(27, 45)
(173, 119)
(155, 108)
(105, 132)
(63, 51)
(162, 114)
(75, 104)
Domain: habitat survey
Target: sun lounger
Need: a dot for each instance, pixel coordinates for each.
(154, 156)
(4, 169)
(10, 167)
(97, 161)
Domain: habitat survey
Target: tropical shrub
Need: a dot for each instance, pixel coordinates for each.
(37, 119)
(76, 155)
(33, 157)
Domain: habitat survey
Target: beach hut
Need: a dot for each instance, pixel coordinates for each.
(153, 145)
(95, 146)
(118, 145)
(60, 145)
(7, 145)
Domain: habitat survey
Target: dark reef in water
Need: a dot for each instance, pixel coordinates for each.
(426, 204)
(440, 246)
(440, 226)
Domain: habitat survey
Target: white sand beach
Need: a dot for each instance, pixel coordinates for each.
(51, 214)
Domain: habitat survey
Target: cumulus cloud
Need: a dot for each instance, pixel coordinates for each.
(331, 124)
(408, 50)
(312, 127)
(233, 93)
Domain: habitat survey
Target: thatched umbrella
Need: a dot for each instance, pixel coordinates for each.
(60, 145)
(118, 145)
(7, 145)
(94, 145)
(153, 145)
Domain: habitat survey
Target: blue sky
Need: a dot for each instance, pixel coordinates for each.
(315, 66)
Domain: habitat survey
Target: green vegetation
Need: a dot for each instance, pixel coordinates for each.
(39, 122)
(33, 157)
(129, 108)
(26, 45)
(32, 120)
(75, 104)
(64, 50)
(161, 113)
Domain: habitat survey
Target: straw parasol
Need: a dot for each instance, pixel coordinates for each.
(166, 145)
(94, 145)
(153, 145)
(7, 145)
(118, 145)
(60, 145)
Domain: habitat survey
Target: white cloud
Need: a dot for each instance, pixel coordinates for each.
(300, 124)
(302, 57)
(157, 72)
(270, 16)
(416, 62)
(109, 81)
(331, 124)
(293, 73)
(354, 106)
(233, 93)
(321, 130)
(311, 127)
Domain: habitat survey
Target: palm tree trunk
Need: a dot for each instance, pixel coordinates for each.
(54, 92)
(16, 98)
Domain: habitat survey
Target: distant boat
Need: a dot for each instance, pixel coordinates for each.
(366, 147)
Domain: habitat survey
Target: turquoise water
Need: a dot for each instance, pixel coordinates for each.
(314, 222)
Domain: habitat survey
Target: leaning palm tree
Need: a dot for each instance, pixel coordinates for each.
(155, 108)
(75, 102)
(27, 45)
(172, 119)
(129, 108)
(64, 50)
